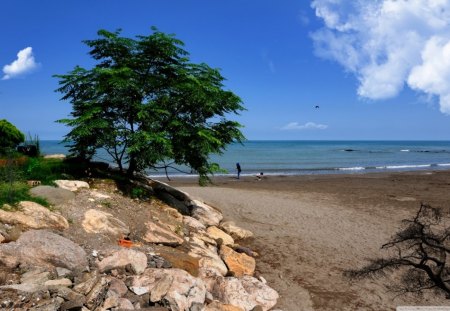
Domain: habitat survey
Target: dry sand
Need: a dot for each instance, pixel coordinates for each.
(309, 229)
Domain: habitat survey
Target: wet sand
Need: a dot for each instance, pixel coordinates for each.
(309, 229)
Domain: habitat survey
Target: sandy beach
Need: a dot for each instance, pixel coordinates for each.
(309, 229)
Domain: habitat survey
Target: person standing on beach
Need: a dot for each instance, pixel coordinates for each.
(238, 167)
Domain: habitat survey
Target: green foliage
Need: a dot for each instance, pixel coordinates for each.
(10, 136)
(146, 104)
(12, 193)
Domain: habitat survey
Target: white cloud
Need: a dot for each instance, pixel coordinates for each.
(389, 43)
(268, 61)
(306, 126)
(23, 64)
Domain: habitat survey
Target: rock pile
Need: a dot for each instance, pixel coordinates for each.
(70, 259)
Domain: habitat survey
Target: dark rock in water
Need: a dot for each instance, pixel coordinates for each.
(52, 194)
(349, 150)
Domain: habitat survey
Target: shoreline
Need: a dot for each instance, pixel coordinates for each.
(309, 229)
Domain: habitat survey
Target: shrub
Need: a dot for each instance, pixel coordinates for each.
(10, 136)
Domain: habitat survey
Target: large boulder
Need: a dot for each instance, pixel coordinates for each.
(96, 221)
(246, 292)
(218, 234)
(34, 216)
(179, 259)
(123, 257)
(206, 214)
(193, 224)
(238, 264)
(176, 287)
(218, 306)
(207, 256)
(72, 185)
(235, 231)
(53, 195)
(43, 248)
(157, 233)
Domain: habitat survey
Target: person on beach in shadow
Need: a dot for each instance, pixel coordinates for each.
(238, 167)
(260, 176)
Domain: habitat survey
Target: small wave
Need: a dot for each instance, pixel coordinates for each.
(356, 168)
(444, 164)
(433, 151)
(404, 150)
(394, 167)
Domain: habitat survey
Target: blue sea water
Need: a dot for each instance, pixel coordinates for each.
(318, 157)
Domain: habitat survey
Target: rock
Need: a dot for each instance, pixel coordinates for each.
(246, 292)
(160, 186)
(218, 306)
(43, 248)
(62, 271)
(179, 259)
(97, 294)
(59, 282)
(208, 257)
(245, 250)
(183, 292)
(122, 258)
(156, 233)
(217, 234)
(203, 236)
(125, 304)
(98, 195)
(53, 195)
(110, 302)
(117, 288)
(238, 264)
(193, 223)
(174, 202)
(72, 185)
(96, 221)
(2, 238)
(67, 294)
(37, 275)
(139, 290)
(206, 214)
(236, 232)
(24, 288)
(34, 216)
(86, 286)
(72, 305)
(161, 288)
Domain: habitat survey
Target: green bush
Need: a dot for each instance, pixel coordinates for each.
(12, 193)
(10, 136)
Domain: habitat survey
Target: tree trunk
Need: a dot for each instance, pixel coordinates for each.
(132, 165)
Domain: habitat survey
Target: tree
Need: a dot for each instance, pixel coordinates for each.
(148, 106)
(10, 136)
(420, 251)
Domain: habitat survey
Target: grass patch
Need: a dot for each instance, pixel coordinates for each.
(12, 193)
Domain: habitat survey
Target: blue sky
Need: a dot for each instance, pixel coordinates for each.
(378, 69)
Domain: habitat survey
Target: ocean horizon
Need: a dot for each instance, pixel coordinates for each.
(310, 157)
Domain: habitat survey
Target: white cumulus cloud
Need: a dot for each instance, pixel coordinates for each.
(306, 126)
(23, 64)
(388, 44)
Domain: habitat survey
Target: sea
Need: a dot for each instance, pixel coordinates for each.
(312, 157)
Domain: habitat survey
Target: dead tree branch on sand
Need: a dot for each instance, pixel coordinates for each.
(419, 251)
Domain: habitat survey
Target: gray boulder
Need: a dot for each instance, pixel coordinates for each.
(43, 248)
(53, 195)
